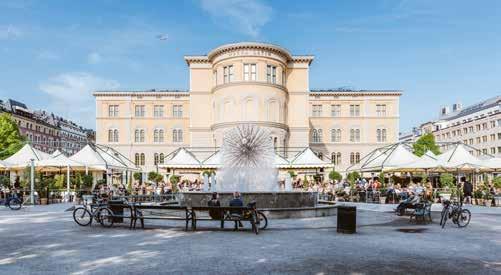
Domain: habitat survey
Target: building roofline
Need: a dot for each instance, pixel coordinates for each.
(243, 45)
(356, 92)
(152, 92)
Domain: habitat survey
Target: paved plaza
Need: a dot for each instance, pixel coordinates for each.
(45, 240)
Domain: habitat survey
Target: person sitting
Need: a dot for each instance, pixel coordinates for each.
(410, 202)
(237, 201)
(214, 202)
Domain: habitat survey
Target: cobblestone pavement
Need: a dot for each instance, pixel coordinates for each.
(45, 240)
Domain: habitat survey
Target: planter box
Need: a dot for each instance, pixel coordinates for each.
(43, 201)
(382, 200)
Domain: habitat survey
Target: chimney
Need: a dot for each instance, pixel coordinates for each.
(456, 107)
(444, 111)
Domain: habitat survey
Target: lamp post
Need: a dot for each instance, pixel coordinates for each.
(32, 181)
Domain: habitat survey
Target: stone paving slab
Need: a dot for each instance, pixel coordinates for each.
(49, 242)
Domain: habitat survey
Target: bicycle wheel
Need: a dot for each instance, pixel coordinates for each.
(262, 221)
(82, 216)
(15, 204)
(105, 217)
(464, 218)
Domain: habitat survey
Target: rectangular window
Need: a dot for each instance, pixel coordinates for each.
(228, 73)
(249, 72)
(158, 110)
(317, 110)
(335, 110)
(177, 110)
(354, 110)
(381, 135)
(284, 78)
(380, 109)
(355, 135)
(271, 74)
(493, 150)
(139, 110)
(113, 110)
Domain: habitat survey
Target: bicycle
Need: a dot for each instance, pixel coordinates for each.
(14, 203)
(84, 215)
(461, 217)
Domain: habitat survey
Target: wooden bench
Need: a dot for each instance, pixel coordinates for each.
(229, 213)
(140, 208)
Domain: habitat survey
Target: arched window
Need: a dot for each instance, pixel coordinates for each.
(320, 155)
(354, 135)
(381, 135)
(137, 159)
(155, 159)
(115, 135)
(335, 135)
(177, 135)
(317, 135)
(158, 135)
(336, 158)
(142, 162)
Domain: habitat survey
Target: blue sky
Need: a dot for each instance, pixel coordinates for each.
(53, 54)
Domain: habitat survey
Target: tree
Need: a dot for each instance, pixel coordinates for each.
(10, 138)
(174, 180)
(497, 182)
(424, 143)
(334, 175)
(352, 177)
(87, 181)
(447, 180)
(137, 176)
(155, 177)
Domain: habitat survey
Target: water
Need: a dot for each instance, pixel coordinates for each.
(248, 158)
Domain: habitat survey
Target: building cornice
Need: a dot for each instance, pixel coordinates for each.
(249, 83)
(249, 45)
(259, 123)
(142, 93)
(356, 93)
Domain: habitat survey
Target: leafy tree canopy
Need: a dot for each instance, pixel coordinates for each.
(10, 138)
(334, 175)
(424, 143)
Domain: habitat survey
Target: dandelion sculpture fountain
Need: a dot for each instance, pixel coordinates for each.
(248, 158)
(248, 166)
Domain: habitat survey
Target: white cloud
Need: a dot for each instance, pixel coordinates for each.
(71, 95)
(248, 16)
(94, 58)
(9, 32)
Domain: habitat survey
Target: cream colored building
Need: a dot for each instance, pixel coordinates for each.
(255, 83)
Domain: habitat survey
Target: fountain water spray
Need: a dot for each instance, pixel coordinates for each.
(248, 157)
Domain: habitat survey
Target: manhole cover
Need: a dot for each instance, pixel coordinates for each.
(411, 230)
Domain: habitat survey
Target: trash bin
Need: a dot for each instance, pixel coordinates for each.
(346, 219)
(117, 206)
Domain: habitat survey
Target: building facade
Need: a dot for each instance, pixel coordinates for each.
(46, 131)
(478, 126)
(256, 83)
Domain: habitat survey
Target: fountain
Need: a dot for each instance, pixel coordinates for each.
(248, 166)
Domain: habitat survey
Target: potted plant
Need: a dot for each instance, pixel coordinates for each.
(292, 174)
(477, 195)
(174, 180)
(447, 183)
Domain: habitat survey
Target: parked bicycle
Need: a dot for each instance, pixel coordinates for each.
(84, 215)
(455, 211)
(12, 202)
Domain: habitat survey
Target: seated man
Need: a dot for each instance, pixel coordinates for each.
(408, 203)
(237, 201)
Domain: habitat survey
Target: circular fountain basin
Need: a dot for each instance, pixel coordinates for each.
(274, 204)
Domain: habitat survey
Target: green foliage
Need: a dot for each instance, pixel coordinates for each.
(25, 179)
(497, 182)
(447, 181)
(423, 176)
(155, 177)
(10, 137)
(382, 178)
(334, 175)
(424, 143)
(4, 180)
(87, 181)
(137, 176)
(174, 180)
(352, 177)
(59, 182)
(208, 173)
(292, 174)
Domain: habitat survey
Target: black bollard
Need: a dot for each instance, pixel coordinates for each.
(347, 219)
